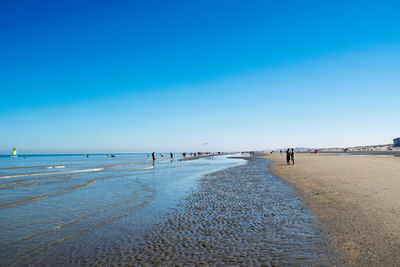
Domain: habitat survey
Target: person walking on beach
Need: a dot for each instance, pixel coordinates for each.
(154, 156)
(288, 156)
(292, 156)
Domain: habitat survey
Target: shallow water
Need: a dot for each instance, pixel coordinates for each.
(238, 216)
(73, 210)
(58, 209)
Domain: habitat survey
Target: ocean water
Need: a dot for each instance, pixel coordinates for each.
(59, 207)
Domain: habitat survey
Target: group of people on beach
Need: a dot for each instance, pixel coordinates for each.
(290, 155)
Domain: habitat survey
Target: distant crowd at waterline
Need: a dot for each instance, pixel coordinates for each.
(290, 155)
(191, 154)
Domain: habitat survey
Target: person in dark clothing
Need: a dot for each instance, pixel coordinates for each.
(292, 155)
(288, 156)
(154, 156)
(172, 155)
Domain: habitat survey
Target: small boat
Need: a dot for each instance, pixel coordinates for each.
(14, 152)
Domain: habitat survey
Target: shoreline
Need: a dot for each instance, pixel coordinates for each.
(355, 200)
(100, 213)
(241, 215)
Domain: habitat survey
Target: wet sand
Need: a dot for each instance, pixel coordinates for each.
(356, 199)
(238, 216)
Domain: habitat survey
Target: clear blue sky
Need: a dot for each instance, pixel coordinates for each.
(138, 76)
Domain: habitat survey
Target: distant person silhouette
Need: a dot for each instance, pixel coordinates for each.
(172, 155)
(288, 156)
(154, 156)
(292, 156)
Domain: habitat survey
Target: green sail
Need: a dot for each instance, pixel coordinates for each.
(14, 152)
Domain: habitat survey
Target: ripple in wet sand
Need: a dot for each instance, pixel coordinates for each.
(239, 216)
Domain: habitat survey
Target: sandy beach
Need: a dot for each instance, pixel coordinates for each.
(356, 199)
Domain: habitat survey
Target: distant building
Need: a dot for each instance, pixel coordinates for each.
(396, 142)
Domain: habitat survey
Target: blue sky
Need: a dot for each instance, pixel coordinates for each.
(130, 76)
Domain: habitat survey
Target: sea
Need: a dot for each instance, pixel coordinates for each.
(57, 207)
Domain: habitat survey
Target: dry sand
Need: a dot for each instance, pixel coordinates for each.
(356, 199)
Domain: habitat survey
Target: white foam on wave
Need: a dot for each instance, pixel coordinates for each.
(45, 173)
(144, 168)
(55, 167)
(139, 169)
